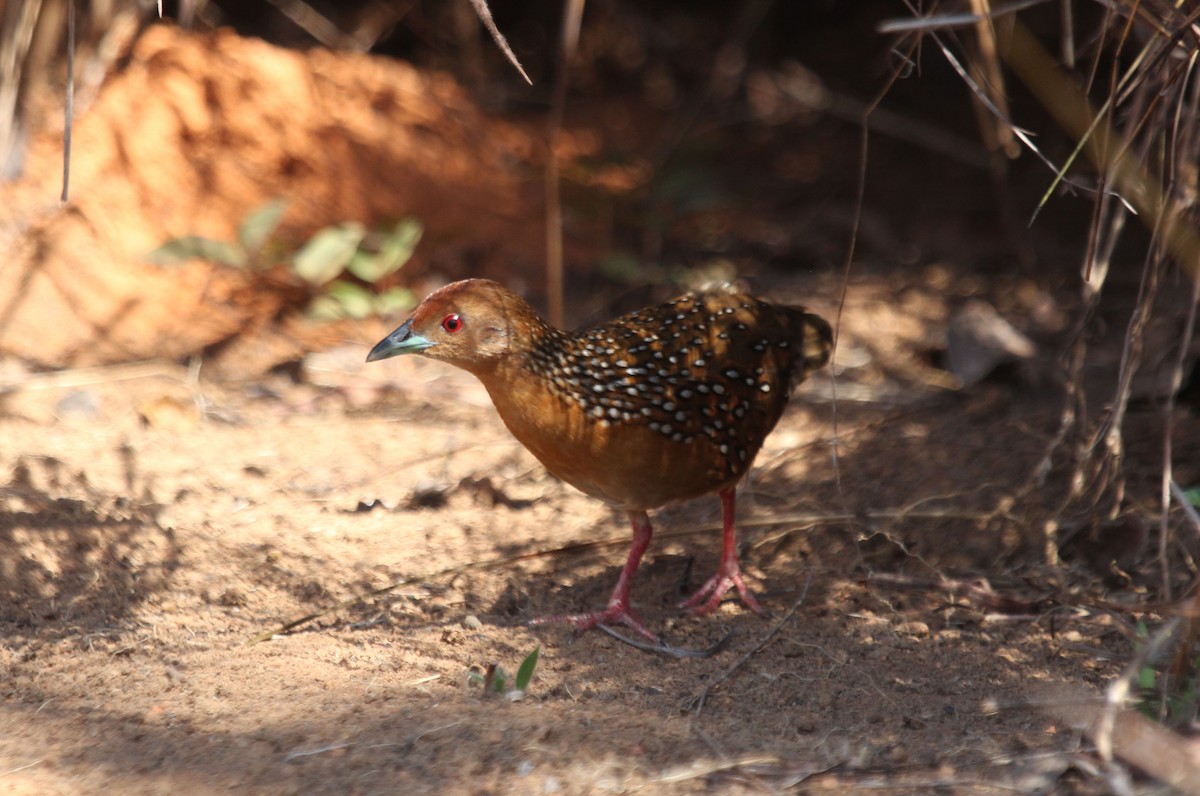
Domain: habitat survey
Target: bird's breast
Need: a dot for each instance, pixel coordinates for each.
(629, 467)
(631, 459)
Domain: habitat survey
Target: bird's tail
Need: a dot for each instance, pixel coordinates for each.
(815, 339)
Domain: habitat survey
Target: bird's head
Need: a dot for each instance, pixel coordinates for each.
(472, 324)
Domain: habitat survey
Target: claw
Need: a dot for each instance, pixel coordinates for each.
(708, 597)
(618, 611)
(729, 574)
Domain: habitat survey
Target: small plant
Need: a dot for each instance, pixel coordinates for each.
(319, 265)
(1169, 697)
(496, 680)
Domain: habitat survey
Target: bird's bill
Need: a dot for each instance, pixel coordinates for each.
(401, 341)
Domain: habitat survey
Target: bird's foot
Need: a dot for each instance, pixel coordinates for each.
(614, 614)
(708, 598)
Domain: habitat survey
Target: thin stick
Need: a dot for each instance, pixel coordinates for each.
(662, 648)
(572, 21)
(1186, 505)
(315, 24)
(499, 563)
(860, 194)
(69, 105)
(1168, 478)
(702, 697)
(1118, 690)
(485, 16)
(103, 374)
(473, 566)
(978, 591)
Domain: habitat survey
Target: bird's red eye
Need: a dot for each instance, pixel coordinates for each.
(452, 323)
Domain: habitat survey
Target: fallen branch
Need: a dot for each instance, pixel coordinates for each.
(662, 648)
(697, 702)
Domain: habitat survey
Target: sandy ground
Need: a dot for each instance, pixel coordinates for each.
(154, 526)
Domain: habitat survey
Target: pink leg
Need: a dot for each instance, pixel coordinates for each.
(618, 611)
(729, 574)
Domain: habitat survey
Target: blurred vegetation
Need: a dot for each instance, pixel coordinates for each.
(339, 265)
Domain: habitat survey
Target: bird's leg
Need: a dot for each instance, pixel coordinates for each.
(618, 611)
(729, 574)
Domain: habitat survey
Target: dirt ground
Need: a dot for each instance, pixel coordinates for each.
(155, 519)
(141, 558)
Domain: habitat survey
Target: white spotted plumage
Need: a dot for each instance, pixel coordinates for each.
(679, 368)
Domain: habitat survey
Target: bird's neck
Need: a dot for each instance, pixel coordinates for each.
(527, 400)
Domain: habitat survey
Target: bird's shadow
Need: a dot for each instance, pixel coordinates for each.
(579, 581)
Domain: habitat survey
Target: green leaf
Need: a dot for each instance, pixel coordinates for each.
(394, 300)
(395, 251)
(1193, 495)
(194, 247)
(364, 265)
(327, 252)
(525, 672)
(399, 247)
(324, 308)
(258, 226)
(356, 301)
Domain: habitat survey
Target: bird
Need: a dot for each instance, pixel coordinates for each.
(664, 404)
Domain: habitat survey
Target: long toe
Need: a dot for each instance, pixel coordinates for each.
(708, 598)
(613, 615)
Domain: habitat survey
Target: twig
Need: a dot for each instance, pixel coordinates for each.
(1118, 691)
(578, 547)
(1168, 487)
(69, 105)
(860, 193)
(472, 566)
(978, 591)
(572, 22)
(703, 769)
(724, 758)
(314, 23)
(949, 21)
(662, 648)
(319, 750)
(1158, 751)
(1190, 612)
(485, 16)
(6, 772)
(1186, 505)
(104, 374)
(698, 701)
